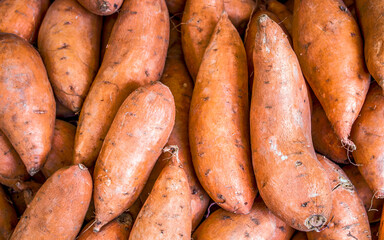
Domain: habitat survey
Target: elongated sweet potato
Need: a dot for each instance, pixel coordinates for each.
(118, 229)
(239, 11)
(199, 19)
(58, 209)
(8, 217)
(68, 41)
(349, 218)
(135, 140)
(166, 214)
(260, 223)
(368, 135)
(218, 122)
(177, 78)
(329, 46)
(136, 56)
(299, 236)
(61, 153)
(282, 12)
(27, 105)
(102, 7)
(108, 23)
(175, 6)
(291, 181)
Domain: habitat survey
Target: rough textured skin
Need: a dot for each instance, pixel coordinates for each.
(134, 142)
(291, 181)
(175, 6)
(8, 217)
(282, 12)
(118, 229)
(239, 11)
(68, 41)
(349, 219)
(324, 138)
(135, 56)
(58, 209)
(12, 169)
(300, 236)
(108, 23)
(260, 223)
(368, 135)
(27, 105)
(22, 17)
(199, 19)
(166, 214)
(61, 153)
(177, 78)
(365, 193)
(329, 46)
(218, 122)
(102, 7)
(372, 25)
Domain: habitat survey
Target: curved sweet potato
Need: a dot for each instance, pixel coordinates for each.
(300, 236)
(71, 59)
(291, 181)
(108, 23)
(61, 153)
(349, 219)
(329, 46)
(282, 12)
(218, 122)
(239, 11)
(8, 217)
(199, 19)
(58, 209)
(27, 105)
(134, 141)
(260, 223)
(102, 7)
(135, 57)
(166, 214)
(175, 6)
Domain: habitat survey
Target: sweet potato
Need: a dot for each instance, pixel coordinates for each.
(29, 190)
(218, 122)
(199, 19)
(368, 135)
(27, 115)
(177, 78)
(299, 236)
(68, 41)
(102, 7)
(349, 218)
(58, 209)
(166, 214)
(260, 223)
(329, 46)
(61, 153)
(372, 206)
(324, 138)
(118, 229)
(108, 23)
(372, 25)
(63, 112)
(134, 141)
(136, 56)
(175, 6)
(291, 181)
(239, 11)
(282, 12)
(8, 217)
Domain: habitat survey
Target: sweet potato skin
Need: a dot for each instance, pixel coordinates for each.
(101, 7)
(239, 12)
(8, 217)
(282, 12)
(26, 118)
(71, 59)
(218, 122)
(58, 209)
(134, 142)
(135, 57)
(367, 133)
(283, 157)
(329, 46)
(260, 223)
(349, 219)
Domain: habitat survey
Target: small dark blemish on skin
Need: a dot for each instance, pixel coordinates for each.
(266, 82)
(246, 234)
(115, 6)
(225, 217)
(304, 204)
(63, 58)
(67, 23)
(205, 99)
(66, 73)
(298, 163)
(207, 172)
(146, 73)
(242, 167)
(63, 47)
(255, 221)
(282, 228)
(268, 107)
(353, 34)
(344, 9)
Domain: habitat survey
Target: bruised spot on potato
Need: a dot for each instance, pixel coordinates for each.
(67, 23)
(282, 228)
(115, 6)
(225, 217)
(353, 34)
(255, 221)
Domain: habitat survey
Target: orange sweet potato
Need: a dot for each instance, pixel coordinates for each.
(239, 11)
(218, 122)
(175, 6)
(68, 41)
(102, 7)
(108, 23)
(282, 12)
(349, 218)
(136, 56)
(134, 141)
(166, 214)
(58, 209)
(299, 236)
(27, 115)
(329, 46)
(291, 181)
(260, 223)
(199, 19)
(8, 217)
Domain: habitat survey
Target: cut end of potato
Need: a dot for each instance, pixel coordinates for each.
(315, 222)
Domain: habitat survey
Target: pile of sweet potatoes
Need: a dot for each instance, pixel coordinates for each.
(191, 119)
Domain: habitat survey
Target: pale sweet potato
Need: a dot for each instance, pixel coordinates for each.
(102, 7)
(8, 217)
